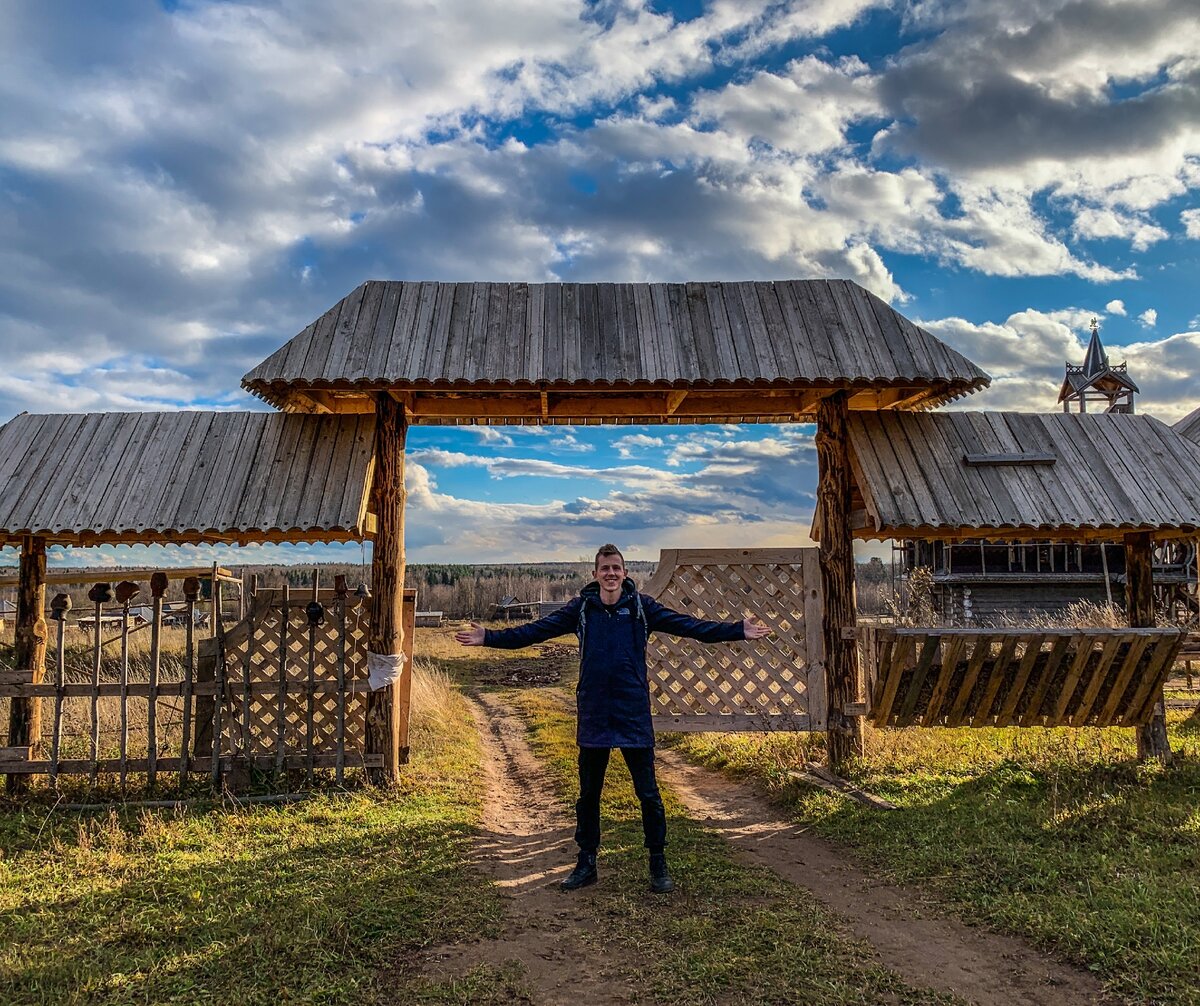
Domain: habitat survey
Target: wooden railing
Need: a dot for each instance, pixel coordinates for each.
(1015, 677)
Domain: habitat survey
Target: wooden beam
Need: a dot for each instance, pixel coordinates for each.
(674, 400)
(29, 651)
(1139, 600)
(844, 733)
(384, 731)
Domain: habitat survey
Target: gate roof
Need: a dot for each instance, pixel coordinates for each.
(1189, 426)
(175, 477)
(1020, 475)
(611, 352)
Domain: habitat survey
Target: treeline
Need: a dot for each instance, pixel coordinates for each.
(455, 589)
(465, 591)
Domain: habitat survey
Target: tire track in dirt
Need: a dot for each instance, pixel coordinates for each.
(915, 939)
(526, 847)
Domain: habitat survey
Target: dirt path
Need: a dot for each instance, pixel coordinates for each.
(911, 937)
(527, 847)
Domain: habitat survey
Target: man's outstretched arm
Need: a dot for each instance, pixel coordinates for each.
(660, 618)
(557, 623)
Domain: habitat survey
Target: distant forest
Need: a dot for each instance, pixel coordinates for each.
(464, 591)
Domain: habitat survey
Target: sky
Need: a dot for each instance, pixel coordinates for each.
(185, 185)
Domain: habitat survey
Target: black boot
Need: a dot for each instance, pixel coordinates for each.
(660, 877)
(583, 874)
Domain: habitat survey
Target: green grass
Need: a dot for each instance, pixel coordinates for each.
(1054, 834)
(325, 901)
(731, 933)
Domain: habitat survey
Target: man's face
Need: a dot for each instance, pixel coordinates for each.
(610, 572)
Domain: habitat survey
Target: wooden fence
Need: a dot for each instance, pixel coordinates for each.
(1015, 677)
(271, 693)
(776, 683)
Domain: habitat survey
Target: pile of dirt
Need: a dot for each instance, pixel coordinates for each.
(521, 673)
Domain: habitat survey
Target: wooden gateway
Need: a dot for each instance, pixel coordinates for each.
(395, 354)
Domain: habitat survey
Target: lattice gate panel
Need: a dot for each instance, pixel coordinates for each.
(271, 661)
(776, 683)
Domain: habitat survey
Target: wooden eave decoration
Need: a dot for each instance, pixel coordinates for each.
(582, 406)
(1069, 477)
(603, 352)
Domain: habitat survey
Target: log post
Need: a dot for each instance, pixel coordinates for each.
(29, 651)
(1139, 600)
(844, 733)
(387, 586)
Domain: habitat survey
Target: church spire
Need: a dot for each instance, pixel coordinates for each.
(1096, 360)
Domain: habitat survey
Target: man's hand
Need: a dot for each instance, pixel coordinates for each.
(752, 628)
(472, 636)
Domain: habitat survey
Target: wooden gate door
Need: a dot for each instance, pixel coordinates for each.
(294, 689)
(776, 683)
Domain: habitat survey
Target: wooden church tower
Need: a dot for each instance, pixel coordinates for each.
(1097, 382)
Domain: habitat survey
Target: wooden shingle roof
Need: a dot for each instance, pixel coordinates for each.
(1189, 426)
(964, 474)
(184, 477)
(706, 340)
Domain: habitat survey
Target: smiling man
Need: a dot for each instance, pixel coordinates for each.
(613, 622)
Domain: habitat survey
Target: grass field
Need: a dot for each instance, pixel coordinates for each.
(326, 901)
(1053, 834)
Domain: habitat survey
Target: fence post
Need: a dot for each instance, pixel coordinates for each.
(1139, 599)
(386, 637)
(844, 733)
(29, 651)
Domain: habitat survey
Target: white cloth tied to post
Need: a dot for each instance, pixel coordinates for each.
(384, 669)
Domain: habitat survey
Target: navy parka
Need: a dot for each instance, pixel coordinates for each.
(613, 695)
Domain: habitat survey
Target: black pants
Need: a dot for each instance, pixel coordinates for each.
(592, 764)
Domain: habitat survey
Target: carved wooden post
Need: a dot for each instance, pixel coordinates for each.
(1139, 599)
(29, 651)
(844, 733)
(387, 586)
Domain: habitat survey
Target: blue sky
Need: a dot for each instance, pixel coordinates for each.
(185, 185)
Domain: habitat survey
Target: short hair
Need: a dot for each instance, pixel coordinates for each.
(608, 550)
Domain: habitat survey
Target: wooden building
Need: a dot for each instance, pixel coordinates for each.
(992, 581)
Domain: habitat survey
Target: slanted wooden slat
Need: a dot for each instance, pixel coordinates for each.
(921, 672)
(1112, 646)
(951, 650)
(983, 711)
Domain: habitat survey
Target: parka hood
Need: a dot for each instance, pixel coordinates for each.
(592, 590)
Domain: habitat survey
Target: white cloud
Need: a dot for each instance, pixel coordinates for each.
(491, 436)
(569, 442)
(1191, 223)
(635, 443)
(1116, 307)
(1149, 317)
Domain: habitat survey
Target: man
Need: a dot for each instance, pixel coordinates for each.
(613, 622)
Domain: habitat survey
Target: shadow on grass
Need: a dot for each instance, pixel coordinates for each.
(311, 913)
